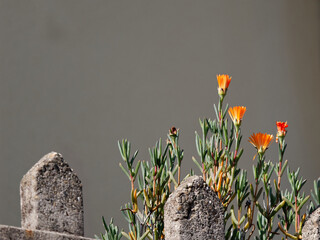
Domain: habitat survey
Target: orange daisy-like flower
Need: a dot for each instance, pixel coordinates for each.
(223, 82)
(261, 141)
(281, 126)
(236, 114)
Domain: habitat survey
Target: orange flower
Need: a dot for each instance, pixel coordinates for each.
(236, 114)
(281, 126)
(223, 82)
(261, 141)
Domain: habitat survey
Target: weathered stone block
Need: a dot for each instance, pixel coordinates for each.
(311, 228)
(194, 211)
(51, 197)
(15, 233)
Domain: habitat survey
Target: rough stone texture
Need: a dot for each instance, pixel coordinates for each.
(311, 228)
(193, 211)
(51, 197)
(14, 233)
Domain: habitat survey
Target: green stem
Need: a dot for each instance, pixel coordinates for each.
(297, 217)
(179, 173)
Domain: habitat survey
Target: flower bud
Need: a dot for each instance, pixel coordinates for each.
(223, 82)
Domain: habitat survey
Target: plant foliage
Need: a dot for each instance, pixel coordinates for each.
(259, 205)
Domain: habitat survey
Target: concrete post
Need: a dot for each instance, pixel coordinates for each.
(193, 211)
(51, 197)
(311, 228)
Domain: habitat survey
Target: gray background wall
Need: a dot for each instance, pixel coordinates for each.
(76, 76)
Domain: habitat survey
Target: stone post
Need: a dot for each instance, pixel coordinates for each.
(51, 197)
(311, 228)
(193, 211)
(51, 203)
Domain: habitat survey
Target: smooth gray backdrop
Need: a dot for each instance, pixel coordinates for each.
(76, 76)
